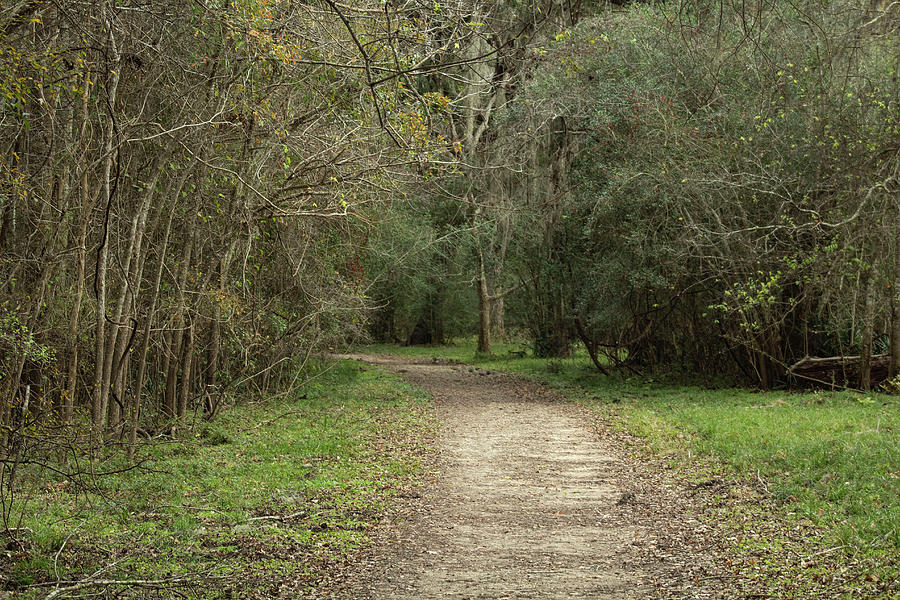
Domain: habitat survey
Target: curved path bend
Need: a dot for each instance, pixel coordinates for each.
(527, 500)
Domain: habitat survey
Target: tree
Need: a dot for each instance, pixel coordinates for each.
(724, 197)
(199, 175)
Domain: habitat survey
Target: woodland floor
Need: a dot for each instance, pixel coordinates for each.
(529, 497)
(498, 486)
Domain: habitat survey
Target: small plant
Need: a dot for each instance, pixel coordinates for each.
(892, 386)
(213, 436)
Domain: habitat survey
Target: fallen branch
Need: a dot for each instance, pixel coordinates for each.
(828, 361)
(281, 518)
(73, 586)
(838, 371)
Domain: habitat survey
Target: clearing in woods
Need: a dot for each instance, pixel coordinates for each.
(529, 500)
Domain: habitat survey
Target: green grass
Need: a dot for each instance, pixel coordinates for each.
(562, 372)
(831, 457)
(336, 453)
(333, 456)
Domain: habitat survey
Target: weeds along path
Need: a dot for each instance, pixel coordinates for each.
(527, 501)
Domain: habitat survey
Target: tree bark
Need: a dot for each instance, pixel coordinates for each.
(498, 321)
(119, 335)
(145, 338)
(68, 403)
(186, 365)
(101, 383)
(894, 367)
(178, 334)
(168, 398)
(865, 363)
(215, 331)
(484, 314)
(110, 354)
(212, 363)
(590, 345)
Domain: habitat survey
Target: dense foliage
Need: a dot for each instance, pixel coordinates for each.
(186, 188)
(709, 186)
(195, 197)
(732, 200)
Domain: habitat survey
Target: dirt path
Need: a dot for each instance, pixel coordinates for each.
(528, 501)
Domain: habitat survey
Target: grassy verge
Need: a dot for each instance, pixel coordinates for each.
(251, 505)
(562, 373)
(830, 459)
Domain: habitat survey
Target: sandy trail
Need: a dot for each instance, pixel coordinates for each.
(528, 501)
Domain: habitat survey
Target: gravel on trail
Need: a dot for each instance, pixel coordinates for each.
(528, 497)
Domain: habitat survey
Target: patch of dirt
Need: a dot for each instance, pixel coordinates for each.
(528, 499)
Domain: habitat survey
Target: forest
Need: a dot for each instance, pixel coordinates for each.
(199, 199)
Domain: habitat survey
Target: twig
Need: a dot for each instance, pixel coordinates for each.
(823, 552)
(63, 547)
(273, 419)
(196, 508)
(281, 518)
(72, 586)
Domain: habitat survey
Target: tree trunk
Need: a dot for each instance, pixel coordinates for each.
(212, 363)
(497, 314)
(187, 362)
(168, 399)
(178, 333)
(437, 315)
(98, 412)
(215, 327)
(865, 362)
(145, 338)
(763, 361)
(113, 335)
(484, 314)
(590, 345)
(68, 404)
(894, 367)
(101, 383)
(133, 269)
(499, 247)
(176, 337)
